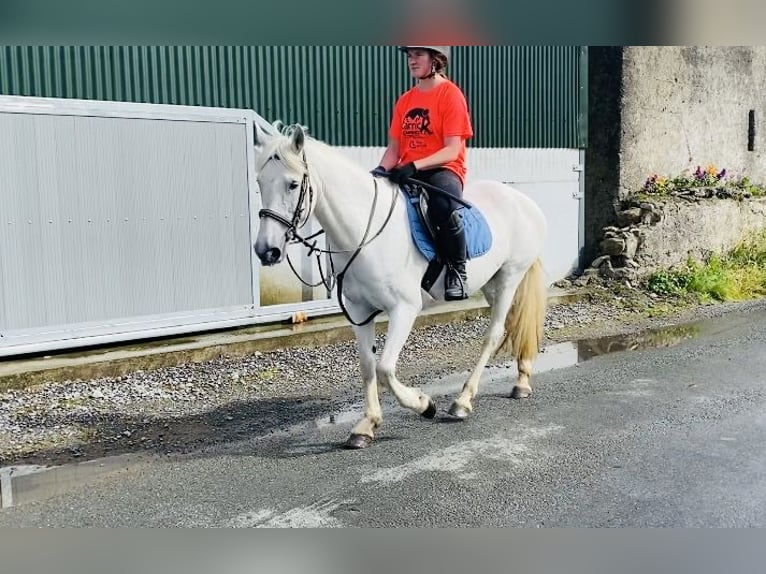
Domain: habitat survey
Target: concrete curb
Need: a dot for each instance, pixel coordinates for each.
(149, 355)
(23, 484)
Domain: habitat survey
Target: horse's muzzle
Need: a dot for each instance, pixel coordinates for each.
(268, 255)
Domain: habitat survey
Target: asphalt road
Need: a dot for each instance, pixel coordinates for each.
(670, 436)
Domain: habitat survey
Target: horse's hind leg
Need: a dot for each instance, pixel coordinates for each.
(400, 321)
(364, 431)
(524, 326)
(499, 292)
(522, 389)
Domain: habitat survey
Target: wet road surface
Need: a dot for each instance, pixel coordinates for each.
(662, 429)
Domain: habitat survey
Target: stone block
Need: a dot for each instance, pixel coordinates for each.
(629, 216)
(613, 246)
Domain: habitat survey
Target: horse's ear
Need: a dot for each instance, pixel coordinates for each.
(298, 139)
(259, 136)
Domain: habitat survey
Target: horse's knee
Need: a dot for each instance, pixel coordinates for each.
(368, 370)
(493, 338)
(384, 373)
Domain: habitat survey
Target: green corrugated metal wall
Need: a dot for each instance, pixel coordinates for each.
(519, 96)
(524, 96)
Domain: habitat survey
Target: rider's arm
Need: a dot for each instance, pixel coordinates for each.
(448, 153)
(391, 156)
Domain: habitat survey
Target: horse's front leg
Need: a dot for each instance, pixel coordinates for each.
(400, 321)
(364, 431)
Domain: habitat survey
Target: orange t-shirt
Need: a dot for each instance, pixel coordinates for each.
(421, 120)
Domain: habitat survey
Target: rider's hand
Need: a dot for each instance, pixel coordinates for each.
(379, 171)
(401, 173)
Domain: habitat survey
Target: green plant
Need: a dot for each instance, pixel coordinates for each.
(709, 177)
(738, 275)
(744, 185)
(669, 282)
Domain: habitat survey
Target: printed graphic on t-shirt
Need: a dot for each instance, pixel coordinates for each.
(416, 122)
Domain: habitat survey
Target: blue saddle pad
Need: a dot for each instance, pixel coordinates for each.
(478, 236)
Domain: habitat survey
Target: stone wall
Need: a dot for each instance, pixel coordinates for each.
(689, 106)
(661, 233)
(664, 110)
(602, 156)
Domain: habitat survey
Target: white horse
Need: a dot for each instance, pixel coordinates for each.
(367, 227)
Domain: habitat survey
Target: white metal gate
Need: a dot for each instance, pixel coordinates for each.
(125, 221)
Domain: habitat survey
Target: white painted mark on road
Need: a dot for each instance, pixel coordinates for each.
(456, 459)
(316, 515)
(635, 389)
(632, 393)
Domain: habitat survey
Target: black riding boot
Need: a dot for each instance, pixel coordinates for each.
(452, 242)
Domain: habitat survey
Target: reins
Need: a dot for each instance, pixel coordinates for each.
(293, 225)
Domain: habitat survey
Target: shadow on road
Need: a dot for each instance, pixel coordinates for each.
(122, 433)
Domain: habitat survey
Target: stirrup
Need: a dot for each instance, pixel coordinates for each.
(463, 294)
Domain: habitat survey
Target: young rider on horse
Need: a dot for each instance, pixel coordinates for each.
(429, 127)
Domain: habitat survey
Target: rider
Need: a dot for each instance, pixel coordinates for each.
(429, 127)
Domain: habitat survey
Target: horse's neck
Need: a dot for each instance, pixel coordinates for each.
(344, 199)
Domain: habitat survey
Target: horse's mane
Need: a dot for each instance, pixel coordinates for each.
(281, 145)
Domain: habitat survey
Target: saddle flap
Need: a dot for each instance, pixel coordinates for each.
(477, 232)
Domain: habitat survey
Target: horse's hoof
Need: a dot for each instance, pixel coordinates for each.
(521, 393)
(458, 411)
(358, 441)
(430, 411)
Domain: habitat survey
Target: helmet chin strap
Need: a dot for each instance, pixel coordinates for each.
(432, 74)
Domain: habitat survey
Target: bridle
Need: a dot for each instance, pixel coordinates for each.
(294, 223)
(292, 235)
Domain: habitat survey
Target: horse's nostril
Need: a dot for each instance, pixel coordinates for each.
(267, 255)
(273, 255)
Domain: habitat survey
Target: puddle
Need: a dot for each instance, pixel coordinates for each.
(559, 356)
(653, 339)
(570, 353)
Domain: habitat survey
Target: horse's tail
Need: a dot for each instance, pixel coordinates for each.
(524, 322)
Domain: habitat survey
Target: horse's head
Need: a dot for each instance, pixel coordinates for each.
(286, 195)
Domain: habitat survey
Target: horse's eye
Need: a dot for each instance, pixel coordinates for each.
(293, 185)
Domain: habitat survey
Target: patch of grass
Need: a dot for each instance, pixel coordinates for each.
(86, 434)
(659, 310)
(736, 276)
(268, 374)
(72, 403)
(22, 414)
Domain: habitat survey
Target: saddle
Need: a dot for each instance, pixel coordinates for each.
(477, 233)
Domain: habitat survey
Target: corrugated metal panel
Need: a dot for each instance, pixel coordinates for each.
(109, 218)
(519, 96)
